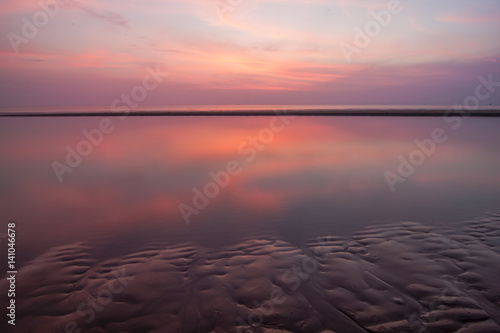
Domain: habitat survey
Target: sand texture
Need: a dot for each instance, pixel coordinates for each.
(399, 277)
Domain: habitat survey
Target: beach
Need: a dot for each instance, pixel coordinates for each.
(237, 166)
(277, 223)
(401, 277)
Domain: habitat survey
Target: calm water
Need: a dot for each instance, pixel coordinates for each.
(292, 178)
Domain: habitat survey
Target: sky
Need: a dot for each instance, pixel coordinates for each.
(92, 53)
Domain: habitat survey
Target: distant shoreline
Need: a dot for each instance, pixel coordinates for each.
(260, 112)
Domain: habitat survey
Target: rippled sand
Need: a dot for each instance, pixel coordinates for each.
(389, 278)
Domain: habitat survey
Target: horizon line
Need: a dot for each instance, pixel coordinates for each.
(490, 112)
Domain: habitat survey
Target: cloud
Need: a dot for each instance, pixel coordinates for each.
(265, 46)
(468, 18)
(109, 17)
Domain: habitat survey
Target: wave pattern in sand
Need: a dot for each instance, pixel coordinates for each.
(389, 278)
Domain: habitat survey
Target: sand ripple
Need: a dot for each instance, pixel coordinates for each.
(388, 278)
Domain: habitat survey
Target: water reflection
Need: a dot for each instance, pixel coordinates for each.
(319, 174)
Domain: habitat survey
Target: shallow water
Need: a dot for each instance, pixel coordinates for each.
(282, 183)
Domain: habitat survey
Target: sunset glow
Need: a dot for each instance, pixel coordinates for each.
(75, 52)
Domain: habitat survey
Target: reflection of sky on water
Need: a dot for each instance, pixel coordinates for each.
(318, 173)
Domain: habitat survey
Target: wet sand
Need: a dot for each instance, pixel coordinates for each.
(398, 277)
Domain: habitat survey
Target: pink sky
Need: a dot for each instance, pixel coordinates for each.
(246, 51)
